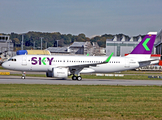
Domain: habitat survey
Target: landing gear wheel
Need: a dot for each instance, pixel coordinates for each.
(23, 75)
(74, 78)
(79, 78)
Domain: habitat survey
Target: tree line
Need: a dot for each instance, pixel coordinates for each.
(50, 39)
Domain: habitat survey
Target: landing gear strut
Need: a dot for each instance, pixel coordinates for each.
(23, 75)
(79, 78)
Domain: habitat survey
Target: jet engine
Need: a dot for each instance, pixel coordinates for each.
(58, 72)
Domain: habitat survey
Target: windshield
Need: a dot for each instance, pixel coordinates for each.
(12, 59)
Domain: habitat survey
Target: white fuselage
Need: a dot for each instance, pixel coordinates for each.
(44, 63)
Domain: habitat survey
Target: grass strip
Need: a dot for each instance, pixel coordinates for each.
(80, 102)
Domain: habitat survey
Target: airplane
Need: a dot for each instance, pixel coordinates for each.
(64, 66)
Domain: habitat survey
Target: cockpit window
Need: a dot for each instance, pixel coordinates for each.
(12, 59)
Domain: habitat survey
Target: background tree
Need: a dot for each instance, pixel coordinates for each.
(64, 39)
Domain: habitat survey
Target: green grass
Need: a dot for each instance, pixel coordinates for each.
(128, 77)
(30, 75)
(141, 72)
(79, 102)
(2, 68)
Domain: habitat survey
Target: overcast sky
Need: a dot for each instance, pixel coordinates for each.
(91, 17)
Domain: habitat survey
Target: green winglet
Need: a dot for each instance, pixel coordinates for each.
(88, 54)
(108, 59)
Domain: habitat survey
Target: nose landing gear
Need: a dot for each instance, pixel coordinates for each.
(23, 75)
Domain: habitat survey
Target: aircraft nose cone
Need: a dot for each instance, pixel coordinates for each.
(4, 65)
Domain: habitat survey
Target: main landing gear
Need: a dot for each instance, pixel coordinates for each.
(23, 75)
(79, 78)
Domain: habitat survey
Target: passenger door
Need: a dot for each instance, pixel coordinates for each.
(127, 64)
(24, 60)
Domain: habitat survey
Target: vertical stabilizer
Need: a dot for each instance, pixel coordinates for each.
(146, 45)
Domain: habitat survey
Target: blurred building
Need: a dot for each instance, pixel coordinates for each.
(58, 50)
(5, 44)
(158, 43)
(122, 46)
(6, 48)
(79, 48)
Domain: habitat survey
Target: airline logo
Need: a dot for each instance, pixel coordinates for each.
(145, 44)
(41, 61)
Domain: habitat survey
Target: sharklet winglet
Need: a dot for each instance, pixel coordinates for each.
(108, 59)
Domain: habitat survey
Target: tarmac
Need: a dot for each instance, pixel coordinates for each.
(54, 81)
(9, 79)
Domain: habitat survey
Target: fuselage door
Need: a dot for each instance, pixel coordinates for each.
(24, 60)
(127, 64)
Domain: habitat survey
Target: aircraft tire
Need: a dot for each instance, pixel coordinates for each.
(79, 78)
(22, 77)
(74, 78)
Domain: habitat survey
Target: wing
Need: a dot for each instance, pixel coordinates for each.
(75, 69)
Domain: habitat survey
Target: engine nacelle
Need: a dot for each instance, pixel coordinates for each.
(60, 72)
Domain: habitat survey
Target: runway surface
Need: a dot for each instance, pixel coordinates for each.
(45, 80)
